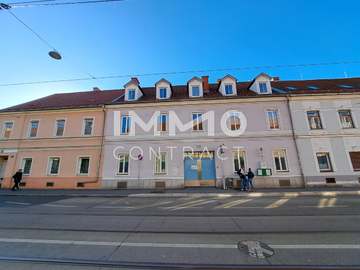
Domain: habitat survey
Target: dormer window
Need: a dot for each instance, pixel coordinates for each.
(229, 89)
(131, 94)
(195, 91)
(163, 93)
(263, 87)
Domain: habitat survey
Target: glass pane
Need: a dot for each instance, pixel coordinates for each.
(60, 125)
(195, 91)
(55, 166)
(27, 166)
(283, 163)
(84, 165)
(88, 126)
(277, 164)
(34, 127)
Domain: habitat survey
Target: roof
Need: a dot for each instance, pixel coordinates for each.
(180, 92)
(68, 101)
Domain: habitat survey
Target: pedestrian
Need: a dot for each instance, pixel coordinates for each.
(250, 176)
(243, 185)
(17, 179)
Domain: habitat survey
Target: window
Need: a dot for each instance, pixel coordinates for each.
(84, 165)
(54, 166)
(314, 120)
(239, 160)
(197, 121)
(125, 124)
(123, 164)
(163, 93)
(323, 159)
(263, 87)
(355, 160)
(88, 126)
(163, 120)
(34, 126)
(8, 126)
(26, 166)
(280, 160)
(60, 127)
(229, 89)
(273, 119)
(131, 94)
(346, 119)
(195, 91)
(160, 163)
(234, 121)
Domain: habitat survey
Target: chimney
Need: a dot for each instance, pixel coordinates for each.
(275, 79)
(96, 89)
(205, 83)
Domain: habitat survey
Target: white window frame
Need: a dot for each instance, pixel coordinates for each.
(192, 91)
(37, 130)
(48, 169)
(56, 127)
(78, 166)
(4, 129)
(118, 164)
(166, 92)
(284, 150)
(128, 124)
(156, 158)
(128, 94)
(236, 152)
(352, 118)
(321, 120)
(23, 165)
(84, 125)
(266, 85)
(233, 114)
(160, 125)
(232, 89)
(268, 120)
(198, 123)
(330, 160)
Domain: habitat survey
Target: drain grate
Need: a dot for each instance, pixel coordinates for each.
(255, 249)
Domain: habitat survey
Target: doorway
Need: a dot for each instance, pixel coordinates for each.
(199, 169)
(3, 161)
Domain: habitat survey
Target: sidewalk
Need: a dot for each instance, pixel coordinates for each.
(187, 192)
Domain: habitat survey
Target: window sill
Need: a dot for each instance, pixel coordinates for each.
(122, 174)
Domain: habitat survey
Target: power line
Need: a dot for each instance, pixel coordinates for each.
(39, 3)
(106, 77)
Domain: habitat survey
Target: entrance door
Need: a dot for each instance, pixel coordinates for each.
(199, 169)
(2, 167)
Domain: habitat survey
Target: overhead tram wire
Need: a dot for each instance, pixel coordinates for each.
(106, 77)
(39, 3)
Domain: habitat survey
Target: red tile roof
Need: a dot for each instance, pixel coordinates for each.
(180, 92)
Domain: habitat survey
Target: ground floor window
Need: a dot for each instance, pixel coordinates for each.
(355, 160)
(280, 160)
(123, 164)
(239, 160)
(54, 166)
(84, 165)
(160, 163)
(26, 166)
(324, 161)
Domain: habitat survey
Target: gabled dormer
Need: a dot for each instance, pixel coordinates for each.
(132, 90)
(261, 84)
(227, 86)
(163, 89)
(195, 87)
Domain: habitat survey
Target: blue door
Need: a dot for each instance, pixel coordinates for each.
(199, 169)
(208, 169)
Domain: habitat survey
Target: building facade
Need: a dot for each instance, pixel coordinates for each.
(290, 133)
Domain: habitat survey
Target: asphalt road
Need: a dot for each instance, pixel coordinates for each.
(58, 232)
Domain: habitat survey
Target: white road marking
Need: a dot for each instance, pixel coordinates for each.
(196, 204)
(233, 203)
(58, 205)
(278, 203)
(183, 204)
(327, 202)
(172, 245)
(17, 203)
(114, 207)
(154, 204)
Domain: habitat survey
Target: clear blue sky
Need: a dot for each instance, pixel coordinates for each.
(145, 36)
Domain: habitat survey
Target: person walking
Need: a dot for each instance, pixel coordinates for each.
(17, 179)
(250, 176)
(243, 180)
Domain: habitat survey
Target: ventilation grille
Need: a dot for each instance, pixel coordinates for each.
(284, 183)
(330, 180)
(122, 185)
(49, 184)
(80, 184)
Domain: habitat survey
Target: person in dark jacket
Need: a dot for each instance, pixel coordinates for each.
(250, 176)
(243, 180)
(17, 179)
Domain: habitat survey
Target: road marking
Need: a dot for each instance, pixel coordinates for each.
(17, 203)
(154, 204)
(326, 202)
(316, 206)
(278, 203)
(233, 203)
(114, 207)
(172, 245)
(58, 205)
(183, 204)
(196, 204)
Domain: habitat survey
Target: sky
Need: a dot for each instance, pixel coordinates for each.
(155, 36)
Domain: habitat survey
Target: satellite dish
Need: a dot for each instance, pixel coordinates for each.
(55, 55)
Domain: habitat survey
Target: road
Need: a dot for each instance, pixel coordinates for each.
(61, 232)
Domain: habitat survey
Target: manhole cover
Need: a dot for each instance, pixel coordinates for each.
(256, 249)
